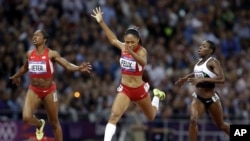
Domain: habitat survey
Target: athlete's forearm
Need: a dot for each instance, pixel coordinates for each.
(139, 59)
(72, 67)
(191, 75)
(214, 80)
(111, 36)
(20, 72)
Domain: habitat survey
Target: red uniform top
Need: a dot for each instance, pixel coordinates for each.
(129, 65)
(40, 65)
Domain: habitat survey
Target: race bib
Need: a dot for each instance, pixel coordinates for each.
(38, 67)
(146, 87)
(200, 74)
(119, 88)
(55, 97)
(129, 65)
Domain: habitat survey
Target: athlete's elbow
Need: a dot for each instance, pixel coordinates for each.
(143, 64)
(113, 41)
(24, 69)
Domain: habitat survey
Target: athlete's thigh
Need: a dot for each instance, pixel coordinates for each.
(32, 101)
(197, 109)
(120, 104)
(216, 112)
(51, 105)
(145, 105)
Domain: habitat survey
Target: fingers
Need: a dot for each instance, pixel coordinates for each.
(86, 64)
(16, 82)
(95, 12)
(85, 67)
(88, 71)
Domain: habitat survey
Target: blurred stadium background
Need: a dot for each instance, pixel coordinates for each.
(171, 31)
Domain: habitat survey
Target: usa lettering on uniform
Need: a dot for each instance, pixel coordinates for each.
(126, 64)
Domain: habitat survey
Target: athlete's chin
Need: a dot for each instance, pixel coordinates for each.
(200, 54)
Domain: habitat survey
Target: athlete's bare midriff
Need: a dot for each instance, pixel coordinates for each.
(132, 81)
(205, 92)
(41, 82)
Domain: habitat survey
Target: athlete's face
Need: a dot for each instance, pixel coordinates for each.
(38, 38)
(204, 49)
(131, 41)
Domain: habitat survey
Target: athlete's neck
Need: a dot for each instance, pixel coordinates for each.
(40, 49)
(204, 58)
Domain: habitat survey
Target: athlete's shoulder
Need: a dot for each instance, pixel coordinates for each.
(29, 52)
(142, 49)
(213, 59)
(53, 53)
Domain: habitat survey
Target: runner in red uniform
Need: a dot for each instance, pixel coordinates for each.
(132, 88)
(40, 64)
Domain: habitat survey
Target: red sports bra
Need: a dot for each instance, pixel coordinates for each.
(40, 65)
(129, 65)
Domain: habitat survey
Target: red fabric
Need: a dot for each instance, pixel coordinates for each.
(40, 65)
(128, 59)
(42, 92)
(134, 94)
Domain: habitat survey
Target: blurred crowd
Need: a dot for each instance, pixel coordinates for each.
(171, 31)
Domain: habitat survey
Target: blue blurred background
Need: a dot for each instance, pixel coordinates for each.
(171, 31)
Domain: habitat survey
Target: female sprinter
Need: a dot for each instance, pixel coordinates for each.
(132, 87)
(39, 62)
(207, 72)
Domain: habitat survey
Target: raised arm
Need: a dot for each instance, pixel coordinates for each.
(97, 14)
(85, 66)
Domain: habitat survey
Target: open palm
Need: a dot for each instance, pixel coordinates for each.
(97, 14)
(85, 66)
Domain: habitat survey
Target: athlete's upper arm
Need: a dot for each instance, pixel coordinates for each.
(143, 53)
(217, 69)
(26, 59)
(55, 56)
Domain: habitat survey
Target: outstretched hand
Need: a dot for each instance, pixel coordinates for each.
(97, 14)
(85, 66)
(15, 80)
(180, 81)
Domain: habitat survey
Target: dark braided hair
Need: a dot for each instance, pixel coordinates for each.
(211, 46)
(134, 31)
(45, 36)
